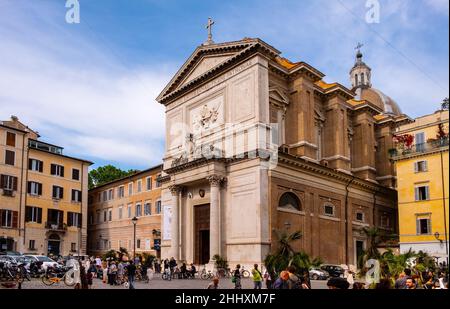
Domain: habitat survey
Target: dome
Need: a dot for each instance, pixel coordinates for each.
(377, 97)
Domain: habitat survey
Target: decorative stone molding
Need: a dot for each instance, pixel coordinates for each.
(175, 189)
(216, 180)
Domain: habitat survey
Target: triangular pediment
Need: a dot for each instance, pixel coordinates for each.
(278, 95)
(209, 60)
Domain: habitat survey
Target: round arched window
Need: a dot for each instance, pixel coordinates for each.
(290, 201)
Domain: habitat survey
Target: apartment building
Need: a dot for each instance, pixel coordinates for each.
(43, 200)
(119, 208)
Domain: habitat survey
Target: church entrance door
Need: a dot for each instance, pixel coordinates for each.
(201, 230)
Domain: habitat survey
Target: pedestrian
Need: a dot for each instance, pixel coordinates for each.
(214, 284)
(131, 268)
(113, 273)
(282, 282)
(268, 280)
(84, 278)
(400, 283)
(411, 284)
(294, 281)
(257, 278)
(236, 279)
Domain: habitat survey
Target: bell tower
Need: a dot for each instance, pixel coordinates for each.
(360, 74)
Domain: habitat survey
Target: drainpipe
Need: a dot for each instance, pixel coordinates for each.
(346, 218)
(445, 212)
(21, 192)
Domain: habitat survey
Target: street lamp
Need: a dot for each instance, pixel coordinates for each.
(134, 220)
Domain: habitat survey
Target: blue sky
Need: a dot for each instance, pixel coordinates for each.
(90, 87)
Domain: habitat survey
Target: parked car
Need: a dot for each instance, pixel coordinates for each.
(318, 274)
(333, 270)
(46, 261)
(8, 258)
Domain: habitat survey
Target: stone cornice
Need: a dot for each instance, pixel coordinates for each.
(324, 171)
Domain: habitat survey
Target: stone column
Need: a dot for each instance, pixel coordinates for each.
(174, 227)
(214, 219)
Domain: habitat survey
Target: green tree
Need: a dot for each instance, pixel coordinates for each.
(105, 174)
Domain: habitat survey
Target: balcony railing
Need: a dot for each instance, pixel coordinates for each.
(431, 146)
(56, 226)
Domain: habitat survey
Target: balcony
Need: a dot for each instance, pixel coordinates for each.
(402, 152)
(56, 226)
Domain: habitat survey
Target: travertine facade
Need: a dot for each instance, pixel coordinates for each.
(112, 207)
(43, 201)
(257, 144)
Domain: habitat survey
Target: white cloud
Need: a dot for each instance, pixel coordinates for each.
(95, 109)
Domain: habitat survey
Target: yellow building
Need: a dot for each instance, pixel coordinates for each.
(422, 168)
(43, 201)
(113, 206)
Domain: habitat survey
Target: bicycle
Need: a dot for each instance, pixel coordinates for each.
(52, 276)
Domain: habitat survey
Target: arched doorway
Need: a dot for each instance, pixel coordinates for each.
(54, 242)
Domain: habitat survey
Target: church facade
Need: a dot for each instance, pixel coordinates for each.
(257, 145)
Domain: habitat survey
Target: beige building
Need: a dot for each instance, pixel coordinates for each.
(112, 207)
(257, 144)
(43, 201)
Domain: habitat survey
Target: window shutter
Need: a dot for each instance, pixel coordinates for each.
(61, 193)
(27, 214)
(53, 169)
(29, 187)
(80, 217)
(39, 188)
(30, 163)
(2, 181)
(14, 183)
(15, 219)
(73, 195)
(427, 192)
(418, 226)
(41, 166)
(54, 192)
(62, 171)
(429, 226)
(416, 193)
(416, 167)
(39, 211)
(69, 218)
(79, 196)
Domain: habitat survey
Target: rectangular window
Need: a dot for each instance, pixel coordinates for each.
(360, 216)
(35, 165)
(10, 157)
(75, 174)
(8, 218)
(138, 243)
(73, 247)
(33, 214)
(420, 141)
(105, 196)
(31, 244)
(57, 170)
(129, 210)
(110, 194)
(76, 196)
(120, 212)
(130, 189)
(147, 209)
(422, 193)
(98, 216)
(158, 183)
(420, 166)
(34, 188)
(423, 226)
(74, 219)
(385, 221)
(158, 207)
(91, 218)
(121, 191)
(105, 215)
(58, 193)
(139, 186)
(109, 214)
(329, 210)
(11, 139)
(138, 210)
(8, 184)
(149, 183)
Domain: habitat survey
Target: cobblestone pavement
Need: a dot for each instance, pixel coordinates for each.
(158, 283)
